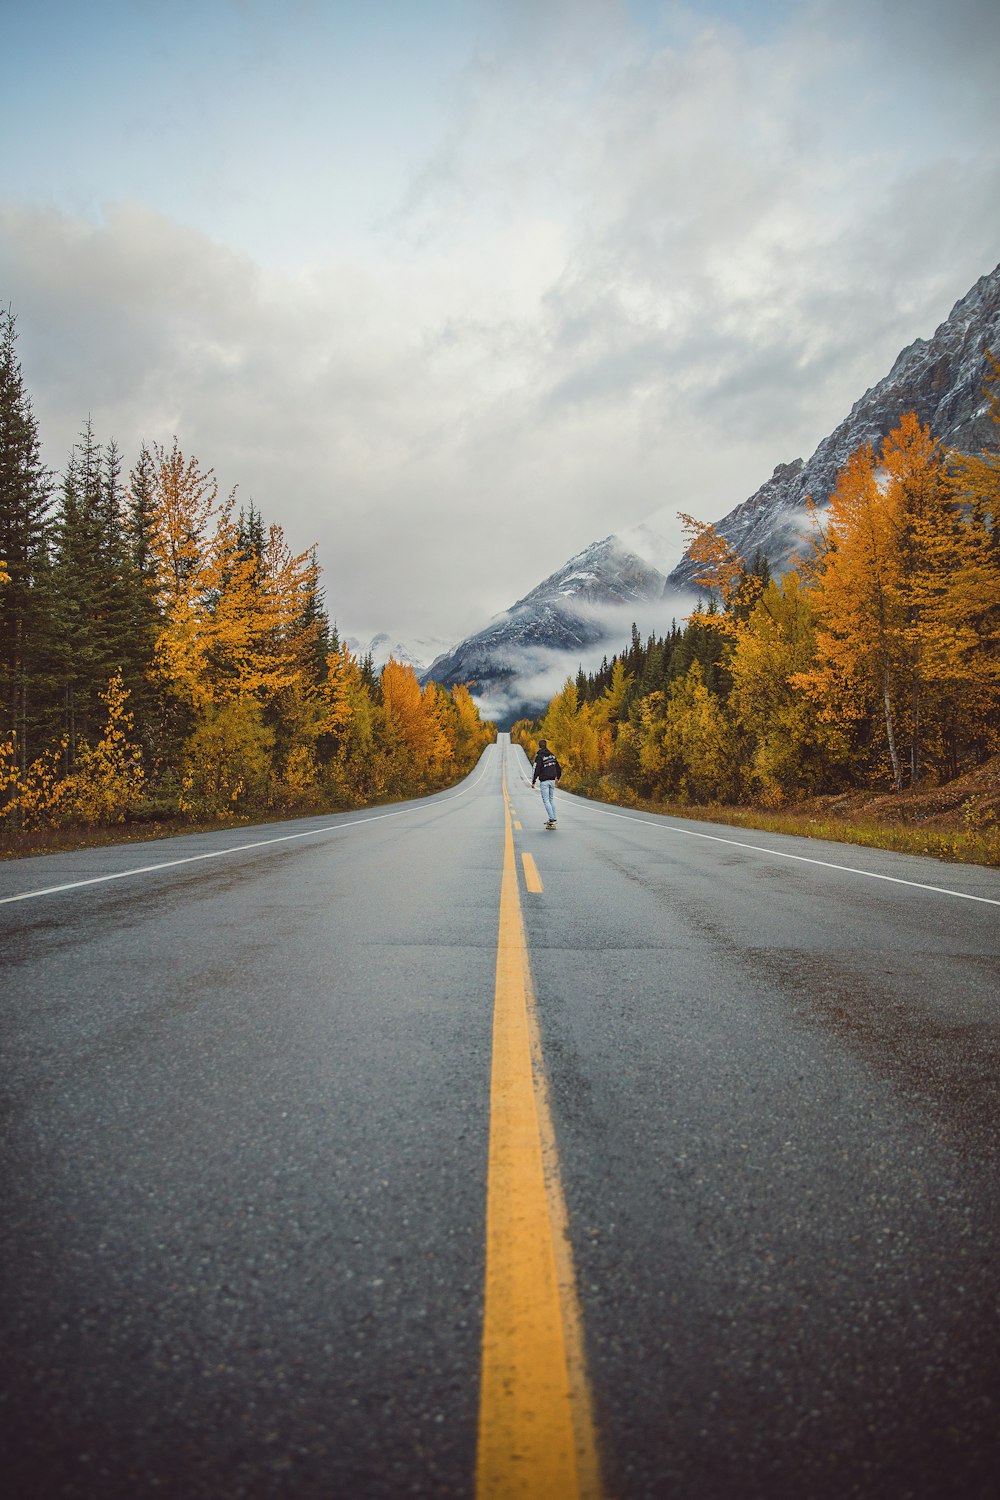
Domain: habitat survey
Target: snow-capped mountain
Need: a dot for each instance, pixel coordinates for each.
(517, 661)
(941, 379)
(416, 653)
(585, 609)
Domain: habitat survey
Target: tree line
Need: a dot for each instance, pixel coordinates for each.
(164, 652)
(874, 661)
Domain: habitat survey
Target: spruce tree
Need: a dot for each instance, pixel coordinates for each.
(143, 617)
(313, 629)
(79, 583)
(25, 601)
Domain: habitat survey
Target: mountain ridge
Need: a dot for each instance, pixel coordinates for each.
(939, 378)
(521, 657)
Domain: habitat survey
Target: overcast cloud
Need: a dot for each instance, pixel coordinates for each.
(455, 297)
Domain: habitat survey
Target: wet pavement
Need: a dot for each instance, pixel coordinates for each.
(246, 1114)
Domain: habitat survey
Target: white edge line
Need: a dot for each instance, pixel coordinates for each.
(804, 859)
(191, 859)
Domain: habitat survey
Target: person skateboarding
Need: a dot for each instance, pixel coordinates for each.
(547, 772)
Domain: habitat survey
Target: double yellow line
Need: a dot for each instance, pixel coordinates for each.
(536, 1427)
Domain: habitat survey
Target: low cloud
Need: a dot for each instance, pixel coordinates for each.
(542, 672)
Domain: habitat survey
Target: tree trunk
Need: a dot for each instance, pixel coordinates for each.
(915, 735)
(897, 775)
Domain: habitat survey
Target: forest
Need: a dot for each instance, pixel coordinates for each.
(165, 655)
(873, 662)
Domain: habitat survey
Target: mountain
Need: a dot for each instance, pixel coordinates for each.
(415, 654)
(585, 609)
(520, 658)
(940, 378)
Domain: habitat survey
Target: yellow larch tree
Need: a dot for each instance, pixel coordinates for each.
(861, 656)
(721, 571)
(184, 502)
(791, 747)
(415, 737)
(696, 743)
(359, 766)
(471, 734)
(256, 600)
(906, 595)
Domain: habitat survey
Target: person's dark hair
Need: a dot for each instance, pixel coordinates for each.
(543, 744)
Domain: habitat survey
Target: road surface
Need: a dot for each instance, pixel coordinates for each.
(260, 1085)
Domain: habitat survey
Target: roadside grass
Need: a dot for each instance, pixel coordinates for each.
(15, 844)
(22, 844)
(968, 830)
(954, 821)
(967, 845)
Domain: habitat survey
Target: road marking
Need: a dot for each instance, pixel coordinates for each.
(517, 826)
(532, 879)
(804, 859)
(536, 1431)
(192, 859)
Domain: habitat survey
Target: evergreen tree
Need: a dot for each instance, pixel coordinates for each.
(314, 637)
(140, 512)
(95, 584)
(124, 595)
(252, 536)
(25, 599)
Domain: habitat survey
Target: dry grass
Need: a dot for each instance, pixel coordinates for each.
(959, 821)
(14, 845)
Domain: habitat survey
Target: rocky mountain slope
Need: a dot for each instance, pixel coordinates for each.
(514, 661)
(940, 378)
(522, 657)
(416, 653)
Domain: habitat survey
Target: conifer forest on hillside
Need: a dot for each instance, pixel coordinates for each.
(873, 664)
(165, 655)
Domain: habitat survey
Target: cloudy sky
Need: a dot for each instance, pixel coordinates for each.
(455, 287)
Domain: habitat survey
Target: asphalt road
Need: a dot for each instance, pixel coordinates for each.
(246, 1121)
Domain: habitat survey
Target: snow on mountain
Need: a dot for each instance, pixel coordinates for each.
(416, 653)
(523, 656)
(941, 379)
(585, 609)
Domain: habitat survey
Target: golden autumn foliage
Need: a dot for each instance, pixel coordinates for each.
(227, 759)
(414, 731)
(906, 597)
(720, 572)
(685, 743)
(246, 707)
(39, 795)
(878, 659)
(139, 600)
(106, 782)
(228, 611)
(789, 748)
(109, 779)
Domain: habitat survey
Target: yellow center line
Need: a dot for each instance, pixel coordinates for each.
(532, 879)
(536, 1430)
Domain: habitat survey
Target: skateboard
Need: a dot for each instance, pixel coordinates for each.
(551, 826)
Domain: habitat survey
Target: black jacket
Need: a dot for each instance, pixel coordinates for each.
(547, 768)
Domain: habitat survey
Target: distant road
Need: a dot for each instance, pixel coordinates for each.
(731, 1099)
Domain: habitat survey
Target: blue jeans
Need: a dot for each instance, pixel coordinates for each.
(548, 791)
